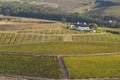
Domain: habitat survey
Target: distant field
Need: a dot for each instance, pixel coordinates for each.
(53, 5)
(93, 66)
(46, 67)
(68, 5)
(17, 23)
(63, 48)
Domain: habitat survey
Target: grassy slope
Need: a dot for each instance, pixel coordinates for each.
(107, 11)
(65, 4)
(68, 5)
(67, 48)
(113, 10)
(77, 5)
(21, 23)
(30, 66)
(96, 66)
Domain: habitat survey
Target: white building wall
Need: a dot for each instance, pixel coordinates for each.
(82, 28)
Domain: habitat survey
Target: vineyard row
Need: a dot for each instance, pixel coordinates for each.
(13, 38)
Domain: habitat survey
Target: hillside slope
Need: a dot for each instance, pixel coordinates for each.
(68, 5)
(104, 9)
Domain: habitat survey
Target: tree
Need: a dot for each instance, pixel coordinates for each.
(93, 26)
(63, 19)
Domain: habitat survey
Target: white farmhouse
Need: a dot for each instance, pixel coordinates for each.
(79, 26)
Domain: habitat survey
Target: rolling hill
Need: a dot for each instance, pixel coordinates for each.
(71, 5)
(102, 9)
(68, 5)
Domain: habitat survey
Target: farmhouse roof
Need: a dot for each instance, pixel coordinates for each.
(81, 25)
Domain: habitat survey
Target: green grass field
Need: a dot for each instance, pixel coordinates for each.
(47, 67)
(93, 66)
(64, 48)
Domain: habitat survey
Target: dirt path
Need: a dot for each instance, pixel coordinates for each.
(20, 77)
(63, 67)
(9, 78)
(62, 55)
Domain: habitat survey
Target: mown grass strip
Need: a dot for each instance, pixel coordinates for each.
(64, 48)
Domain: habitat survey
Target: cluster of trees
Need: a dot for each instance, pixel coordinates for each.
(44, 12)
(93, 26)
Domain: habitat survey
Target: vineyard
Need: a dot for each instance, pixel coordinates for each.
(55, 35)
(53, 31)
(30, 65)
